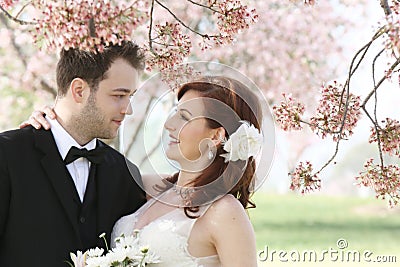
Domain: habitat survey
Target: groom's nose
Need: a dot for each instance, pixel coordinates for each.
(128, 109)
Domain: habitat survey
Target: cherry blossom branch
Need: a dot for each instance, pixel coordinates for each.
(392, 67)
(330, 160)
(122, 11)
(151, 26)
(385, 6)
(336, 102)
(346, 105)
(22, 8)
(375, 93)
(352, 70)
(316, 126)
(339, 107)
(93, 25)
(15, 19)
(375, 122)
(207, 7)
(364, 49)
(183, 23)
(347, 89)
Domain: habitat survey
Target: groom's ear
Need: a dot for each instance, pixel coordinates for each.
(79, 90)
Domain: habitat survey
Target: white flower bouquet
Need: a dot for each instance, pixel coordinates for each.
(127, 253)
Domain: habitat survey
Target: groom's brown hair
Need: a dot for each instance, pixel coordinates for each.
(92, 66)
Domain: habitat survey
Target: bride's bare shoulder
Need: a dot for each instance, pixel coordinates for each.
(226, 208)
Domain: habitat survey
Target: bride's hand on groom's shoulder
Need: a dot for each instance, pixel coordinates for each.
(37, 118)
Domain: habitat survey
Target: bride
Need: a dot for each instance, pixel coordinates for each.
(197, 216)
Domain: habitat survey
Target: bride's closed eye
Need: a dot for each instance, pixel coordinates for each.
(183, 116)
(184, 113)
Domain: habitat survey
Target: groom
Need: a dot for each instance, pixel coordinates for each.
(54, 197)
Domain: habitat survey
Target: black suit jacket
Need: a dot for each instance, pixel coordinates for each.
(37, 225)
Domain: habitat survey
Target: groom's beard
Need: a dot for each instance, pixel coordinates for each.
(92, 123)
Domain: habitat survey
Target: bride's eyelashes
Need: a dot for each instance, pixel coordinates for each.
(183, 116)
(182, 113)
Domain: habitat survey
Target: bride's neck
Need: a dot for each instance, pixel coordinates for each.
(184, 178)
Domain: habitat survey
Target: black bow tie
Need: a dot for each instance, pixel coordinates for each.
(94, 156)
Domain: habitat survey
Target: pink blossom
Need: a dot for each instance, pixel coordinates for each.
(169, 46)
(309, 2)
(92, 25)
(221, 22)
(171, 43)
(7, 3)
(179, 74)
(306, 2)
(275, 52)
(303, 179)
(86, 24)
(233, 17)
(288, 113)
(389, 136)
(384, 180)
(392, 27)
(332, 118)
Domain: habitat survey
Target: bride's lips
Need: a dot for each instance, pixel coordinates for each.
(173, 140)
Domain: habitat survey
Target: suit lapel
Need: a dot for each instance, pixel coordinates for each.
(57, 174)
(104, 199)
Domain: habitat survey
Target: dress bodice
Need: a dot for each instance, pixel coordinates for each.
(167, 236)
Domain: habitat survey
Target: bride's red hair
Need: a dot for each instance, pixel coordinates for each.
(236, 178)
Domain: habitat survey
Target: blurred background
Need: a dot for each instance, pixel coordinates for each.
(292, 48)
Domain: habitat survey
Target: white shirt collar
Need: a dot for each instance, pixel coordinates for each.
(64, 140)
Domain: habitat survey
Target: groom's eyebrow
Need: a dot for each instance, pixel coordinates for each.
(125, 90)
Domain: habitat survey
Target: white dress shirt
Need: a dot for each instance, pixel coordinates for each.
(79, 169)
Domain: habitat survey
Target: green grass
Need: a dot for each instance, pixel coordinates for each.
(314, 222)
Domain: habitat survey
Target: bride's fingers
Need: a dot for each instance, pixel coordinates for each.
(31, 121)
(24, 124)
(48, 110)
(37, 119)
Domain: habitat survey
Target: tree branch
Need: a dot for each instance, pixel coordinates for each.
(352, 70)
(364, 49)
(182, 23)
(11, 17)
(22, 9)
(385, 6)
(394, 65)
(376, 125)
(332, 157)
(204, 6)
(151, 25)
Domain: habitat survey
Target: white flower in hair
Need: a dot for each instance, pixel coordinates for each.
(244, 143)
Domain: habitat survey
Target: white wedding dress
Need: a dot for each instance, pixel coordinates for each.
(167, 236)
